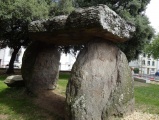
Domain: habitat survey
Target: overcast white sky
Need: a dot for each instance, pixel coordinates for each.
(152, 12)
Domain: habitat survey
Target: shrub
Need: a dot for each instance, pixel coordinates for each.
(136, 70)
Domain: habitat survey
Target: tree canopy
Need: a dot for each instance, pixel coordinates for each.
(15, 15)
(153, 47)
(60, 7)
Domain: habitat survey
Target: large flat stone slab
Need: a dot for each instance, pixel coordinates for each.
(81, 26)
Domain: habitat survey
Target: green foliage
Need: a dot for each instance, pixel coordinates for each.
(65, 6)
(25, 10)
(134, 7)
(62, 7)
(141, 37)
(153, 47)
(15, 15)
(136, 70)
(133, 12)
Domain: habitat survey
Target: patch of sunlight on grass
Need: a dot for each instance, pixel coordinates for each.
(62, 83)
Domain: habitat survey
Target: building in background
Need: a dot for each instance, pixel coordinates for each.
(66, 61)
(146, 64)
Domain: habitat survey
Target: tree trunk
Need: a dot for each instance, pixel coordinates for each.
(10, 69)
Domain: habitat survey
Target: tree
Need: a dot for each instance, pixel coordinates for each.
(133, 12)
(136, 70)
(15, 15)
(153, 47)
(142, 37)
(61, 7)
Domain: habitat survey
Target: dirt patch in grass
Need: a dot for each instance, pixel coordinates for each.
(3, 117)
(139, 84)
(52, 102)
(141, 116)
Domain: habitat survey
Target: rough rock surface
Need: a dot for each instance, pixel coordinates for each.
(14, 81)
(49, 25)
(101, 85)
(40, 68)
(81, 26)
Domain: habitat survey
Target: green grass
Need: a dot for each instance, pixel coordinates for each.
(64, 76)
(62, 83)
(147, 98)
(2, 77)
(17, 105)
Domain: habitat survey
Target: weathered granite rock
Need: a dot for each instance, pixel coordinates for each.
(101, 85)
(49, 25)
(40, 67)
(14, 81)
(81, 26)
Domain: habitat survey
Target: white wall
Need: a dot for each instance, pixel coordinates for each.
(5, 56)
(2, 51)
(134, 64)
(67, 61)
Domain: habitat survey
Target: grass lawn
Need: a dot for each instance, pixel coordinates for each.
(16, 105)
(62, 83)
(147, 97)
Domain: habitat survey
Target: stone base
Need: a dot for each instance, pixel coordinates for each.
(40, 68)
(101, 85)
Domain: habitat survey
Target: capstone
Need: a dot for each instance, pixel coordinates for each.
(81, 26)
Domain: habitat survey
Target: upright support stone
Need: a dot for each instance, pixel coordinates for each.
(40, 68)
(101, 85)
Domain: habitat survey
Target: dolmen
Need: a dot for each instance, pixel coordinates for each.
(101, 86)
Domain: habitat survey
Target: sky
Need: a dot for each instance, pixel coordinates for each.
(152, 13)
